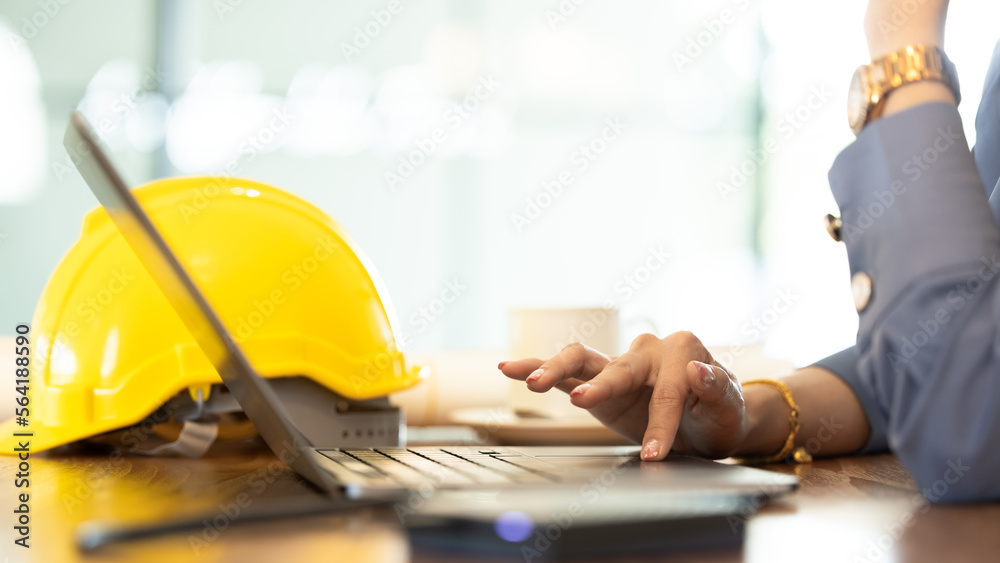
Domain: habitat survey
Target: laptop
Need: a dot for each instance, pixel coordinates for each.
(492, 486)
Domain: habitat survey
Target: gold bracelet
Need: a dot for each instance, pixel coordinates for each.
(800, 454)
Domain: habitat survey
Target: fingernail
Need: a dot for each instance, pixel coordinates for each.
(651, 450)
(706, 373)
(501, 365)
(579, 390)
(534, 376)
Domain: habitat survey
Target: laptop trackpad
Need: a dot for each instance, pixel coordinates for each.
(588, 462)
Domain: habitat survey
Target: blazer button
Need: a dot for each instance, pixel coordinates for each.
(833, 226)
(861, 287)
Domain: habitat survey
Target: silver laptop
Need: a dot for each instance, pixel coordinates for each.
(484, 478)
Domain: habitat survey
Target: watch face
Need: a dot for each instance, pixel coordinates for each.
(858, 99)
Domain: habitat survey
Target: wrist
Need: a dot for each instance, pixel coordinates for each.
(910, 95)
(768, 415)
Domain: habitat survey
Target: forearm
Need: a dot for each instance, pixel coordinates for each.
(925, 27)
(833, 421)
(885, 34)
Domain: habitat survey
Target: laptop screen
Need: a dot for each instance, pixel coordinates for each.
(253, 392)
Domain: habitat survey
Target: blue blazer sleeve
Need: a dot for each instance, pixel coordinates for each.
(844, 364)
(917, 221)
(987, 151)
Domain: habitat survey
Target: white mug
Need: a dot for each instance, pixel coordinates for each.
(542, 333)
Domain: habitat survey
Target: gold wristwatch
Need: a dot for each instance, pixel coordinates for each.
(873, 82)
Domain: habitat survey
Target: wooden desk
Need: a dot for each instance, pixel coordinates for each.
(849, 509)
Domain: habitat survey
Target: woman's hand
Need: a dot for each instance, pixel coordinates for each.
(669, 393)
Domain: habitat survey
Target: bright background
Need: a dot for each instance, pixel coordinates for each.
(181, 85)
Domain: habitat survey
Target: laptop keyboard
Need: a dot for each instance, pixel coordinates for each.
(443, 467)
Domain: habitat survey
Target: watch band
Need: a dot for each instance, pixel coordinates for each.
(913, 63)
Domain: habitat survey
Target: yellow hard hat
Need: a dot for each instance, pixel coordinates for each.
(287, 281)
